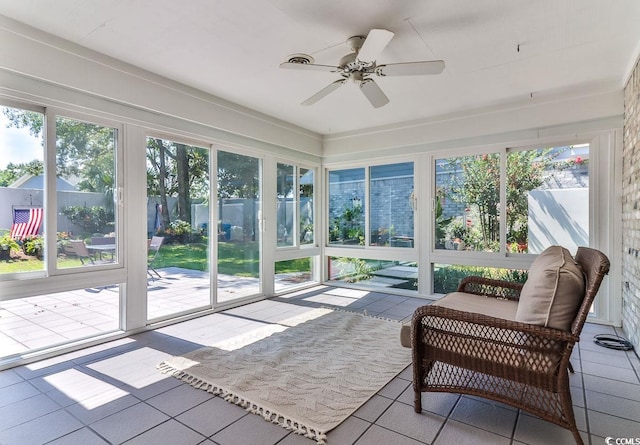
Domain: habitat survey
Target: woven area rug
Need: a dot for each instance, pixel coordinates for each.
(307, 373)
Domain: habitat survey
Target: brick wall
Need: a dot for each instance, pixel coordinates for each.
(631, 209)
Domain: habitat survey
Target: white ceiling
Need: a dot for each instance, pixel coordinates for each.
(232, 49)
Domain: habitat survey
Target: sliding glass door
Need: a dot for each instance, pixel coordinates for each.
(239, 226)
(178, 228)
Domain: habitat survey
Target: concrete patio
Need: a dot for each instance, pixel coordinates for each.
(47, 320)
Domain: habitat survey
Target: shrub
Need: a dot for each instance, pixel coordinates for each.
(33, 246)
(447, 278)
(93, 219)
(8, 243)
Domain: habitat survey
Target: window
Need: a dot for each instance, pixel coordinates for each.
(86, 187)
(293, 273)
(547, 198)
(346, 206)
(295, 225)
(178, 228)
(285, 205)
(239, 209)
(306, 201)
(21, 191)
(391, 205)
(382, 275)
(467, 203)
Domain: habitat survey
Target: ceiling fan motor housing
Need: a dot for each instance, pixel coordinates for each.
(300, 58)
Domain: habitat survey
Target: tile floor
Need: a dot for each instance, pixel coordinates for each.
(113, 394)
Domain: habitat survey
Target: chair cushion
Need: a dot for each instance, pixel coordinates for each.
(462, 301)
(553, 291)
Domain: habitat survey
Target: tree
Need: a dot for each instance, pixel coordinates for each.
(478, 186)
(15, 171)
(179, 170)
(237, 176)
(83, 150)
(525, 172)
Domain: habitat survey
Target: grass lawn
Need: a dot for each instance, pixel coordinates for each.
(30, 264)
(234, 258)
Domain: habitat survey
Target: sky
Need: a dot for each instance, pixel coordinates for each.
(17, 145)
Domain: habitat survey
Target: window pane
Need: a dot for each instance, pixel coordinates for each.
(447, 277)
(239, 208)
(548, 198)
(21, 191)
(306, 206)
(375, 274)
(292, 273)
(85, 185)
(178, 228)
(466, 215)
(284, 205)
(390, 205)
(346, 206)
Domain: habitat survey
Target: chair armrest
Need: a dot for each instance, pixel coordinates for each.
(446, 319)
(488, 287)
(488, 344)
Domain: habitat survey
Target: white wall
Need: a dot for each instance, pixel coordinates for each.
(533, 120)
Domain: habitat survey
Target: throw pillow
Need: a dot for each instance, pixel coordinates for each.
(552, 294)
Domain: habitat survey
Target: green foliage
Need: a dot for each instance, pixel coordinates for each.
(238, 176)
(456, 229)
(478, 187)
(447, 278)
(93, 219)
(6, 242)
(83, 150)
(352, 270)
(292, 266)
(441, 221)
(15, 171)
(179, 227)
(349, 226)
(33, 246)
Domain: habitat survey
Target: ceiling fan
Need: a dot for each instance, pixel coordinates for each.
(360, 66)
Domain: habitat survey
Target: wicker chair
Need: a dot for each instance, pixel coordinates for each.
(523, 365)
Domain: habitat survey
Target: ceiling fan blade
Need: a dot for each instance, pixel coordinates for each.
(373, 93)
(324, 92)
(376, 41)
(411, 68)
(309, 67)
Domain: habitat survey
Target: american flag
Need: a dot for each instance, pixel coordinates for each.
(26, 222)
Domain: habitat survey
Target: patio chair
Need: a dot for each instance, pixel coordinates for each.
(153, 250)
(507, 341)
(79, 249)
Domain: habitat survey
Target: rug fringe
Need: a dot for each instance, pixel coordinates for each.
(290, 424)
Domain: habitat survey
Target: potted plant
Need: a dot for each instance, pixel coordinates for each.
(7, 244)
